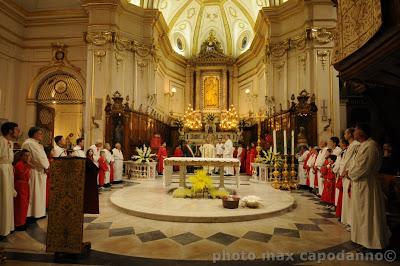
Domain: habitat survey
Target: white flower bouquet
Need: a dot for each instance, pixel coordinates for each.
(144, 155)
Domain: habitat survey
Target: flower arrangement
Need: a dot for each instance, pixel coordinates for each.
(210, 118)
(144, 155)
(201, 182)
(268, 158)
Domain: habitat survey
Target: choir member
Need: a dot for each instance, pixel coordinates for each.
(178, 153)
(59, 147)
(10, 132)
(110, 164)
(79, 148)
(328, 194)
(118, 163)
(339, 179)
(22, 171)
(319, 163)
(103, 169)
(40, 162)
(161, 155)
(301, 157)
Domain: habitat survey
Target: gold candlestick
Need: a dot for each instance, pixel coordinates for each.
(294, 180)
(276, 183)
(285, 175)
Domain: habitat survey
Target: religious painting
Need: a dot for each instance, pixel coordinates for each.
(211, 92)
(118, 130)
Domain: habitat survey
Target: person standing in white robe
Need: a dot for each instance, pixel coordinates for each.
(208, 151)
(59, 150)
(10, 132)
(37, 182)
(78, 149)
(319, 163)
(118, 163)
(219, 152)
(301, 156)
(350, 153)
(333, 144)
(228, 153)
(368, 225)
(96, 148)
(339, 164)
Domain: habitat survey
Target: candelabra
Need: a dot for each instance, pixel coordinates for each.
(294, 180)
(229, 119)
(285, 175)
(276, 183)
(259, 117)
(192, 119)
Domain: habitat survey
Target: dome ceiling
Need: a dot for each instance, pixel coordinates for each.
(191, 21)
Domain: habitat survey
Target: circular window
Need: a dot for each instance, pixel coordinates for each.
(179, 44)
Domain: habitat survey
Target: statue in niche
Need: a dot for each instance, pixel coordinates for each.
(211, 45)
(211, 89)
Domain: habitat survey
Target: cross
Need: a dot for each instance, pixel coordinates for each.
(324, 108)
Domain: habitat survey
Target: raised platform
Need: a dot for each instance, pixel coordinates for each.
(150, 200)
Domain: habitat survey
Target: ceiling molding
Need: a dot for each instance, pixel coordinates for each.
(227, 30)
(197, 30)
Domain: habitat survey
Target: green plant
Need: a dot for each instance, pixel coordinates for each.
(144, 155)
(182, 193)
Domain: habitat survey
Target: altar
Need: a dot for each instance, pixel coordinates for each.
(182, 162)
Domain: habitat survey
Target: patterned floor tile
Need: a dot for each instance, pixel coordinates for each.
(121, 231)
(88, 220)
(257, 236)
(96, 226)
(186, 238)
(308, 227)
(326, 215)
(151, 236)
(320, 221)
(222, 238)
(286, 232)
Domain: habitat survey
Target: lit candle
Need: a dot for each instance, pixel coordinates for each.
(274, 137)
(284, 142)
(292, 142)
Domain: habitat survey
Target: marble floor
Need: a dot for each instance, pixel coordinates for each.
(119, 238)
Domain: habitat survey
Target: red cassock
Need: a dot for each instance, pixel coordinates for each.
(161, 155)
(243, 161)
(21, 185)
(339, 186)
(307, 169)
(328, 194)
(251, 156)
(177, 153)
(103, 168)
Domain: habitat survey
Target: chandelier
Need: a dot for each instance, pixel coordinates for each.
(192, 119)
(229, 119)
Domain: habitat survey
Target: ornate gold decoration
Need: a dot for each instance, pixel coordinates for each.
(294, 179)
(211, 92)
(192, 118)
(100, 54)
(324, 57)
(358, 21)
(285, 174)
(276, 183)
(229, 119)
(321, 35)
(118, 60)
(99, 38)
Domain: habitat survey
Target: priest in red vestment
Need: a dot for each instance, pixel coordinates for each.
(161, 155)
(22, 171)
(251, 155)
(177, 153)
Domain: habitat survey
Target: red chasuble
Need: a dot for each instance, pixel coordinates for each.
(21, 185)
(161, 155)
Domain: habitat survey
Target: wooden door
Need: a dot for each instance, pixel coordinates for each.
(45, 120)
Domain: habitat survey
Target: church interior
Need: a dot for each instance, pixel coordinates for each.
(203, 104)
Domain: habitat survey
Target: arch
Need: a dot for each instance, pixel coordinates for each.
(46, 73)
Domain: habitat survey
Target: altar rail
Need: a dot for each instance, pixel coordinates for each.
(140, 170)
(262, 173)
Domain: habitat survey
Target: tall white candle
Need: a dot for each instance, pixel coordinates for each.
(284, 142)
(274, 137)
(292, 142)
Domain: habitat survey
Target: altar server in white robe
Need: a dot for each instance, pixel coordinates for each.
(10, 132)
(208, 151)
(78, 149)
(311, 166)
(301, 156)
(96, 148)
(118, 163)
(228, 153)
(319, 163)
(350, 153)
(368, 226)
(339, 165)
(37, 182)
(59, 147)
(333, 144)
